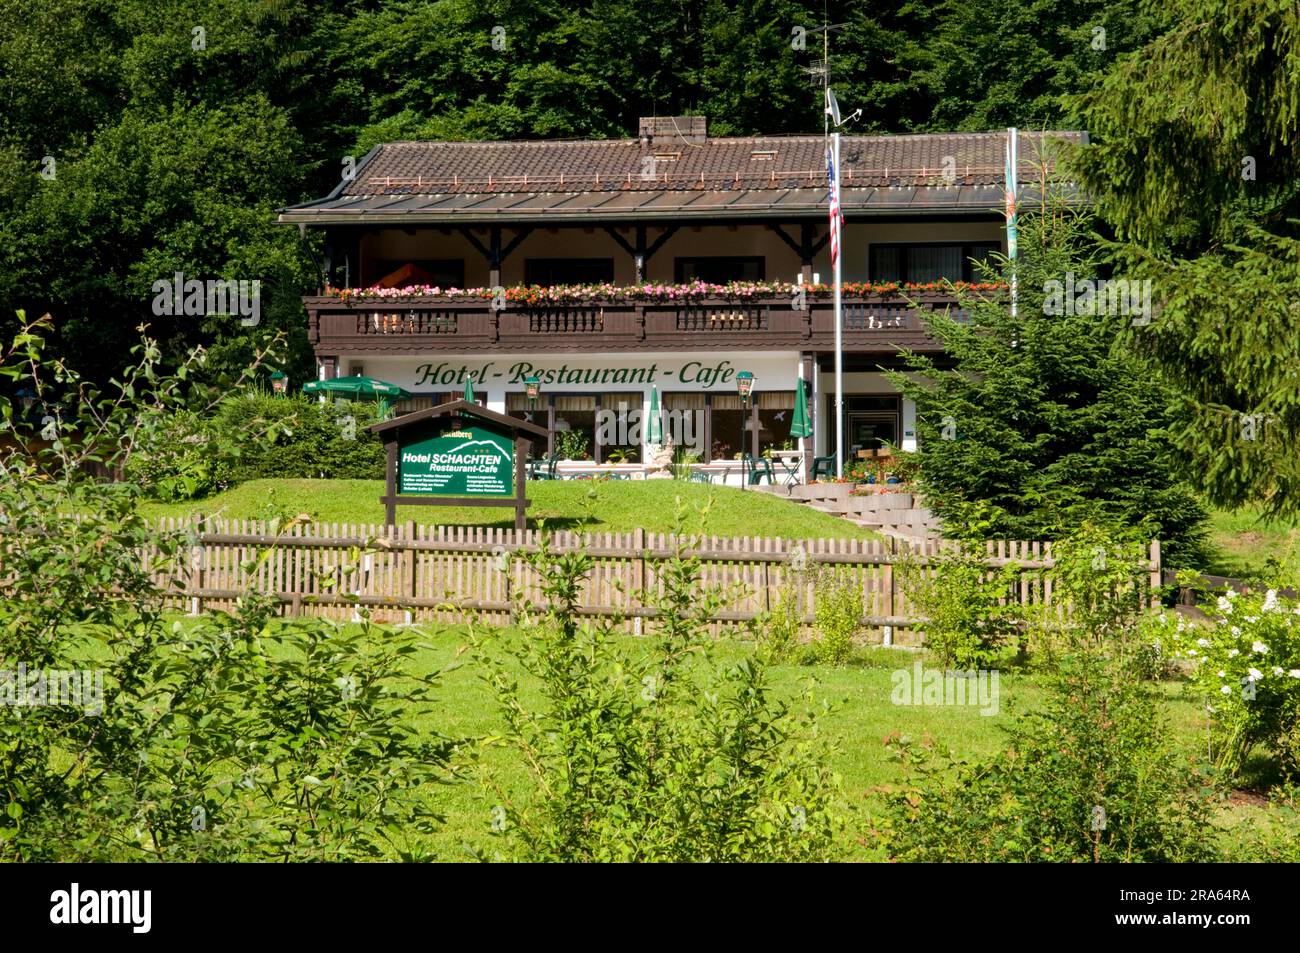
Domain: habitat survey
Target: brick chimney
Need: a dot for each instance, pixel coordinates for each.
(668, 129)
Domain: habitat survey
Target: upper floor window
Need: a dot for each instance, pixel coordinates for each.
(568, 271)
(920, 264)
(718, 270)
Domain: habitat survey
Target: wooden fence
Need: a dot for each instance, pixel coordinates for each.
(416, 573)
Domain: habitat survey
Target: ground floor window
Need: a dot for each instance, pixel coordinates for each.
(871, 422)
(620, 427)
(729, 428)
(773, 411)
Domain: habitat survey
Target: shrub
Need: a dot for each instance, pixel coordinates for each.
(1090, 777)
(232, 738)
(838, 615)
(185, 458)
(571, 444)
(1245, 663)
(960, 598)
(302, 438)
(652, 751)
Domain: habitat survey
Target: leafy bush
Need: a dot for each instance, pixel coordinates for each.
(838, 614)
(302, 438)
(1092, 775)
(1245, 663)
(233, 737)
(960, 598)
(657, 751)
(571, 444)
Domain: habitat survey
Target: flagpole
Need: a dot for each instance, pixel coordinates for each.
(1013, 228)
(839, 333)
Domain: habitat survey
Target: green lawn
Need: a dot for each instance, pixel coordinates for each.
(1241, 542)
(596, 506)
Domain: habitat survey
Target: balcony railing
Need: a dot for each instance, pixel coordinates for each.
(452, 322)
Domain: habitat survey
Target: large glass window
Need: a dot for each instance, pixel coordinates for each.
(719, 270)
(917, 263)
(619, 433)
(568, 271)
(774, 411)
(729, 430)
(684, 421)
(575, 426)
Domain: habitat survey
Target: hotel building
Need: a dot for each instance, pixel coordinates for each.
(420, 222)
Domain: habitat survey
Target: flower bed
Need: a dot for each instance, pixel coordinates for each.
(691, 291)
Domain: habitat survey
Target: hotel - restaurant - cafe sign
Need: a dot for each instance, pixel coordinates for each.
(694, 373)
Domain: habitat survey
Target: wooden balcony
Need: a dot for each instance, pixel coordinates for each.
(881, 323)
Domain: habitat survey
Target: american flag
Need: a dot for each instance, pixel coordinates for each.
(837, 217)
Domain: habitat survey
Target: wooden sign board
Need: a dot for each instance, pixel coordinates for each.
(456, 454)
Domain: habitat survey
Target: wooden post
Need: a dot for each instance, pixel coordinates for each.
(522, 447)
(390, 484)
(638, 574)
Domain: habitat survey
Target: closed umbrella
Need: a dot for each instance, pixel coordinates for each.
(469, 389)
(655, 432)
(801, 422)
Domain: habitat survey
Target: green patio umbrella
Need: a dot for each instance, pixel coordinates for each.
(655, 430)
(469, 389)
(358, 388)
(800, 423)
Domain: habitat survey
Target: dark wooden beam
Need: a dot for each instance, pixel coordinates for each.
(514, 243)
(473, 240)
(659, 242)
(622, 242)
(794, 245)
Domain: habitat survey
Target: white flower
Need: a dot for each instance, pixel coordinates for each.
(1233, 653)
(1203, 643)
(1226, 689)
(1294, 673)
(1224, 606)
(1254, 674)
(1259, 647)
(1236, 630)
(1277, 669)
(1191, 651)
(1232, 593)
(1270, 601)
(1252, 619)
(1223, 674)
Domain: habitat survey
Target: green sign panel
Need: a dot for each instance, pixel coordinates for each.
(470, 461)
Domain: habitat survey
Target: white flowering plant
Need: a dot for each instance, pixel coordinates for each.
(1245, 659)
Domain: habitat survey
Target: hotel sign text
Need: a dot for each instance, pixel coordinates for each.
(696, 373)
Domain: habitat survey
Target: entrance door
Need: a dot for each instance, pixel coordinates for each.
(871, 430)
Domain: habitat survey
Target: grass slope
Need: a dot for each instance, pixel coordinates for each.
(614, 506)
(1241, 542)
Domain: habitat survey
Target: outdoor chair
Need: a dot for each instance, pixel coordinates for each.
(699, 476)
(544, 469)
(758, 468)
(823, 467)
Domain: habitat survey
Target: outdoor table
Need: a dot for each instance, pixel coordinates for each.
(790, 461)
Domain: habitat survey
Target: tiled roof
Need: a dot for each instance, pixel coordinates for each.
(639, 178)
(610, 165)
